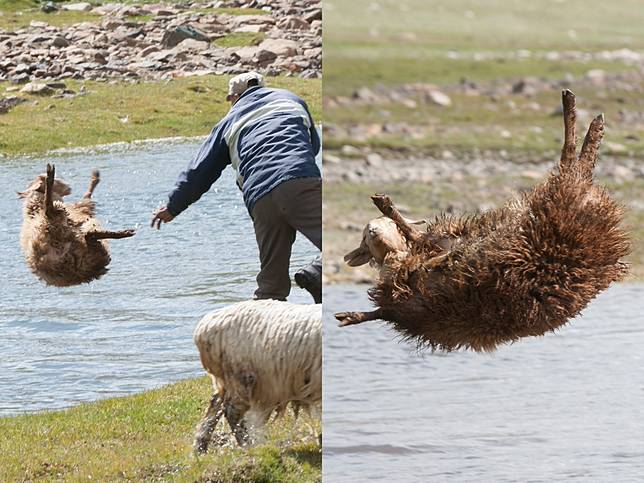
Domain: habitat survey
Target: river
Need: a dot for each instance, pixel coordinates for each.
(566, 406)
(132, 329)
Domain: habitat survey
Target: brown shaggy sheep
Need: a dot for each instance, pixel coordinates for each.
(475, 282)
(63, 243)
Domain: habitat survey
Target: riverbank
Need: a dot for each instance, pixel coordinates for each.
(87, 113)
(148, 437)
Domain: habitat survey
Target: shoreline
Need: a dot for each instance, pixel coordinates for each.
(146, 436)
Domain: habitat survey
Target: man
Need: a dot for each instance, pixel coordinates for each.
(269, 138)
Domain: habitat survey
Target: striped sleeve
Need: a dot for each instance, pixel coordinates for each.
(201, 173)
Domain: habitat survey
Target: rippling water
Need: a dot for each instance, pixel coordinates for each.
(567, 406)
(132, 329)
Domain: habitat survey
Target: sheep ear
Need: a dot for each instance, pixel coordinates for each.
(21, 194)
(357, 257)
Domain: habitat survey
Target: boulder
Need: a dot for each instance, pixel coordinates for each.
(77, 7)
(37, 88)
(293, 23)
(439, 98)
(281, 47)
(173, 37)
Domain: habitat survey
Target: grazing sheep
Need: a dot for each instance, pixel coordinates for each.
(261, 355)
(525, 269)
(63, 243)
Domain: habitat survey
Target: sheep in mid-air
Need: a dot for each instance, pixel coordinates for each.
(475, 282)
(63, 243)
(261, 356)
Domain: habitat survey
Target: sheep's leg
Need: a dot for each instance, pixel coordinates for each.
(590, 148)
(568, 152)
(208, 423)
(352, 318)
(386, 206)
(100, 235)
(235, 417)
(49, 190)
(92, 184)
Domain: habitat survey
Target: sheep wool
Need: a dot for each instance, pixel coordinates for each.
(475, 282)
(261, 355)
(63, 243)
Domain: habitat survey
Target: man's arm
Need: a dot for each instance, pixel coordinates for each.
(201, 173)
(315, 138)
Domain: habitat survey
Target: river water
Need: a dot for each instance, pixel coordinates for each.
(567, 406)
(132, 329)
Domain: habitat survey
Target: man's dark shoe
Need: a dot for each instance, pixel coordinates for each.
(310, 279)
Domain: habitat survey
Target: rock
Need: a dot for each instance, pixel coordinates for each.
(49, 7)
(6, 103)
(59, 41)
(611, 147)
(281, 47)
(148, 50)
(173, 37)
(38, 25)
(37, 88)
(192, 44)
(374, 159)
(77, 7)
(293, 23)
(439, 98)
(253, 29)
(597, 76)
(315, 14)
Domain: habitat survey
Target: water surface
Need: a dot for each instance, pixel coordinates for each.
(565, 407)
(132, 329)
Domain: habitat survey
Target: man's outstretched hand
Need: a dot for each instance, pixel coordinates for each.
(161, 215)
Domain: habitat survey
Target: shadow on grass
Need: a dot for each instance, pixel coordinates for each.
(312, 456)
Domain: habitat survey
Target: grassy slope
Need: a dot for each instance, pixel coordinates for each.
(148, 437)
(17, 14)
(371, 43)
(181, 107)
(406, 41)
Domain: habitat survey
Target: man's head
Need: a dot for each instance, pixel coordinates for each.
(238, 85)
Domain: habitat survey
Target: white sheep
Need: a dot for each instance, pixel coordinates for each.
(261, 355)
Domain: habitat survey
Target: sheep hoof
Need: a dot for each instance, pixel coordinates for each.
(349, 318)
(200, 446)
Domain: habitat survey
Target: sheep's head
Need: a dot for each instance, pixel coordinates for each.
(380, 237)
(60, 190)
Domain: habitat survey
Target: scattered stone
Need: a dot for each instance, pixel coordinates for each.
(281, 47)
(49, 7)
(439, 98)
(611, 147)
(6, 103)
(77, 7)
(37, 88)
(173, 37)
(175, 42)
(59, 41)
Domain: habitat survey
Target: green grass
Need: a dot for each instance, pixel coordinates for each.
(404, 41)
(181, 107)
(477, 122)
(17, 14)
(148, 437)
(240, 39)
(392, 43)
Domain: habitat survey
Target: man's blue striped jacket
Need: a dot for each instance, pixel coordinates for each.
(268, 137)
